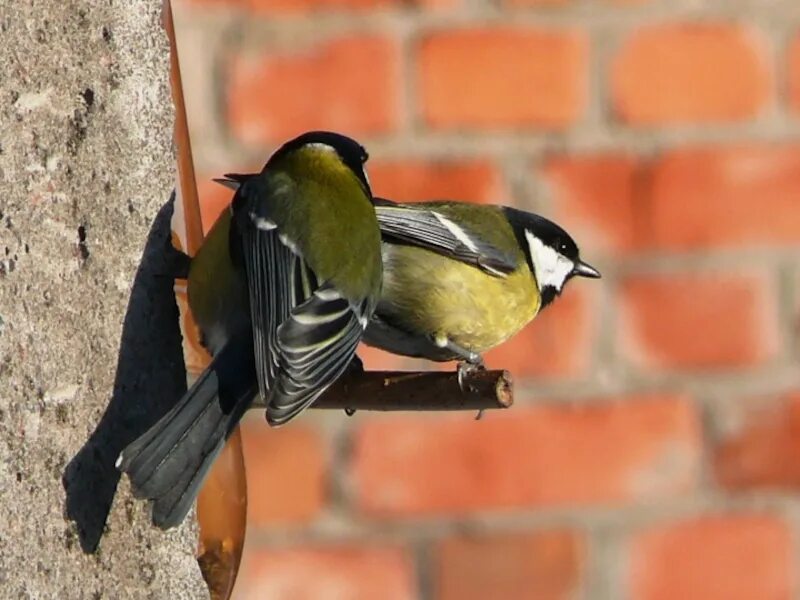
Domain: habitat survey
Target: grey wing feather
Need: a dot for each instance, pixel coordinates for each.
(304, 332)
(304, 335)
(434, 231)
(317, 342)
(271, 296)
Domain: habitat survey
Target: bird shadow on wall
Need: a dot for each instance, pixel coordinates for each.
(150, 378)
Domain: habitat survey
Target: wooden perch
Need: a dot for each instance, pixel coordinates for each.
(399, 390)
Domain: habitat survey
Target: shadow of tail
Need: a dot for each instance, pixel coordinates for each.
(150, 378)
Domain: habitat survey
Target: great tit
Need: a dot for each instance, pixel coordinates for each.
(282, 290)
(459, 278)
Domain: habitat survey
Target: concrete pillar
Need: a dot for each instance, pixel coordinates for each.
(89, 354)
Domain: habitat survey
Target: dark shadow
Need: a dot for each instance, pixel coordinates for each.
(150, 378)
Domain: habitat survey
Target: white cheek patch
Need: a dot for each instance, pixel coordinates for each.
(552, 268)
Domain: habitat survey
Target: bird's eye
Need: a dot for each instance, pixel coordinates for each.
(364, 156)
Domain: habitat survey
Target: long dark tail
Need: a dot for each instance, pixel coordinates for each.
(169, 462)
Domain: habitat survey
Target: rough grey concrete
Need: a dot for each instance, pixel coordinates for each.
(88, 351)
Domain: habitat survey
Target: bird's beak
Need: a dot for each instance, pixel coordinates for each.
(231, 184)
(583, 269)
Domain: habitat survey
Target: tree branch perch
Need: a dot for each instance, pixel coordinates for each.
(400, 390)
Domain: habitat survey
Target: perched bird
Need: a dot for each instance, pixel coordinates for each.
(282, 290)
(459, 279)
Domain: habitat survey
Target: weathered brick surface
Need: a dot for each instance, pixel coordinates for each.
(357, 573)
(540, 457)
(761, 449)
(502, 78)
(286, 473)
(690, 72)
(414, 180)
(684, 320)
(727, 557)
(543, 565)
(351, 81)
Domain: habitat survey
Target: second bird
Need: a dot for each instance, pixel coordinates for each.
(282, 290)
(462, 278)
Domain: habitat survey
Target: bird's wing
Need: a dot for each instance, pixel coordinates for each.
(271, 267)
(430, 229)
(304, 332)
(316, 344)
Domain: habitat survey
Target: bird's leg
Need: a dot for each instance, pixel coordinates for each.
(469, 362)
(467, 367)
(356, 367)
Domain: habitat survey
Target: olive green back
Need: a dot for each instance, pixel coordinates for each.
(322, 207)
(489, 220)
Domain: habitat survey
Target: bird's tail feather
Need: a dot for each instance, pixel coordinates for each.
(169, 462)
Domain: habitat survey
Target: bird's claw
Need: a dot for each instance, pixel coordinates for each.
(467, 367)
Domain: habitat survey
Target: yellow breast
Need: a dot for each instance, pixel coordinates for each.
(424, 291)
(217, 290)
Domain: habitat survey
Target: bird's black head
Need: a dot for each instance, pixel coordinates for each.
(552, 255)
(350, 152)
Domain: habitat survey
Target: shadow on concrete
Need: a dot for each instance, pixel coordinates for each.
(150, 378)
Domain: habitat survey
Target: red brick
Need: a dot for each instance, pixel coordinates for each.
(544, 566)
(363, 573)
(558, 342)
(349, 85)
(678, 73)
(687, 199)
(285, 473)
(764, 451)
(598, 199)
(606, 452)
(794, 74)
(412, 180)
(727, 197)
(736, 557)
(502, 77)
(698, 320)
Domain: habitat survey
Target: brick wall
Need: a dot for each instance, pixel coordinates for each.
(654, 450)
